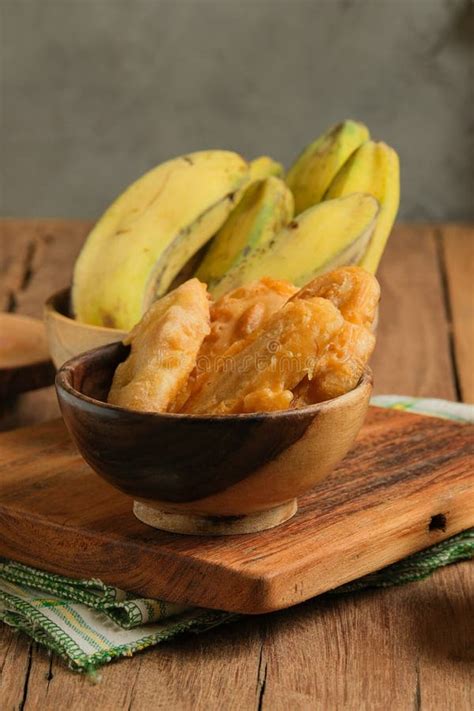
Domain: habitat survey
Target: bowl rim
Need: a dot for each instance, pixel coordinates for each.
(51, 309)
(66, 370)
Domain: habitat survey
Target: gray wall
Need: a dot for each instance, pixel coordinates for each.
(94, 92)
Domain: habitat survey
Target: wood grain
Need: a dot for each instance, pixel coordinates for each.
(412, 355)
(36, 259)
(407, 647)
(402, 648)
(458, 252)
(403, 470)
(15, 666)
(24, 357)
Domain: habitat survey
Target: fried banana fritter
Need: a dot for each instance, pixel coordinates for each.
(262, 374)
(237, 314)
(234, 317)
(164, 347)
(339, 368)
(354, 291)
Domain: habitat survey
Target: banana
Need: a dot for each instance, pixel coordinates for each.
(373, 168)
(263, 167)
(265, 208)
(311, 174)
(331, 234)
(147, 235)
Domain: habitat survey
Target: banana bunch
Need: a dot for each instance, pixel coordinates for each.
(342, 162)
(343, 189)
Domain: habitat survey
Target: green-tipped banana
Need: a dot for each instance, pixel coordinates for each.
(264, 167)
(310, 176)
(149, 233)
(373, 168)
(266, 207)
(331, 234)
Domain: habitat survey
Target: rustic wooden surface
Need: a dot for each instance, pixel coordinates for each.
(401, 648)
(403, 472)
(458, 259)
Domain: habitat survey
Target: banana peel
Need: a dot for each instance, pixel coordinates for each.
(264, 167)
(312, 173)
(149, 233)
(331, 234)
(373, 168)
(265, 208)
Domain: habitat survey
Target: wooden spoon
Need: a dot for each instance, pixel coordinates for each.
(24, 357)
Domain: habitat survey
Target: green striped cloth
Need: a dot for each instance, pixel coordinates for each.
(89, 623)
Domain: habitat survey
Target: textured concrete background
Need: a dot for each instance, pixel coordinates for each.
(94, 92)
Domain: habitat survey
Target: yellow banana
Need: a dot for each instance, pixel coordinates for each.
(373, 168)
(147, 235)
(263, 167)
(265, 208)
(328, 235)
(310, 176)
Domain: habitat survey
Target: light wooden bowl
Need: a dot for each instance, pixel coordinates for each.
(201, 474)
(66, 336)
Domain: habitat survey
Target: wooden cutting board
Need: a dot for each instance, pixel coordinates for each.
(24, 357)
(407, 483)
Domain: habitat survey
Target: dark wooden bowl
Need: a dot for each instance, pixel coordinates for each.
(205, 474)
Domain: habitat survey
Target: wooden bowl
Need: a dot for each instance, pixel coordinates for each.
(205, 474)
(68, 337)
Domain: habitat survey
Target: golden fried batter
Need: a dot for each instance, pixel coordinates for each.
(261, 375)
(242, 311)
(339, 367)
(234, 317)
(356, 294)
(354, 291)
(164, 347)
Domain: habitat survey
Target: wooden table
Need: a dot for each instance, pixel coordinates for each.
(400, 648)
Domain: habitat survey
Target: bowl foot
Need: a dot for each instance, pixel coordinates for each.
(196, 525)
